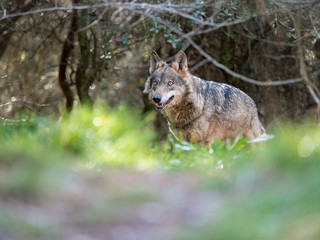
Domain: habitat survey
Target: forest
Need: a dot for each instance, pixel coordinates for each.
(85, 154)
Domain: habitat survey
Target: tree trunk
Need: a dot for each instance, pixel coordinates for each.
(83, 76)
(67, 48)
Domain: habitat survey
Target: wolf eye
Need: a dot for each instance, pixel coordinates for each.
(155, 83)
(170, 83)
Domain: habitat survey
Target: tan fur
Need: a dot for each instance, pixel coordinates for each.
(200, 111)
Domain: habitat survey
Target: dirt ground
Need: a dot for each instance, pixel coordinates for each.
(121, 205)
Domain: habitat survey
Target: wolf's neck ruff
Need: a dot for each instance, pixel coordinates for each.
(200, 111)
(180, 117)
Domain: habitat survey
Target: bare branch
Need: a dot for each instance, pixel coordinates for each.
(52, 9)
(29, 103)
(176, 9)
(95, 21)
(267, 40)
(285, 26)
(199, 64)
(303, 70)
(314, 27)
(223, 67)
(280, 57)
(5, 104)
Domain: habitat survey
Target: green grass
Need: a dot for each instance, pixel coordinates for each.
(270, 191)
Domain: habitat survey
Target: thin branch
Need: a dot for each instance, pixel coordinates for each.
(186, 45)
(310, 86)
(42, 44)
(280, 57)
(29, 103)
(5, 104)
(223, 67)
(300, 2)
(314, 27)
(141, 19)
(285, 26)
(95, 21)
(306, 79)
(52, 9)
(313, 94)
(199, 64)
(266, 40)
(176, 9)
(303, 70)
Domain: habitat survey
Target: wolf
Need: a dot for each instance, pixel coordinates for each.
(200, 111)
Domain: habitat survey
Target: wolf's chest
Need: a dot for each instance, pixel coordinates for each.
(181, 116)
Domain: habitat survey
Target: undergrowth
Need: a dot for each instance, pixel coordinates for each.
(264, 189)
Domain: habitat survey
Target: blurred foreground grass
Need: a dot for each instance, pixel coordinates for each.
(101, 174)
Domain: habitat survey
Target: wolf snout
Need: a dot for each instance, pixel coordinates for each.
(157, 98)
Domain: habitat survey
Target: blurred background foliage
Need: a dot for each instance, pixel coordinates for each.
(100, 49)
(84, 155)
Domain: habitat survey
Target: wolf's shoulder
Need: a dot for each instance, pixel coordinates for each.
(218, 87)
(222, 86)
(227, 89)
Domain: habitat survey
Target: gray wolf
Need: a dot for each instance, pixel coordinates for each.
(200, 111)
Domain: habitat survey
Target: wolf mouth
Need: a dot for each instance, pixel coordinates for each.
(163, 105)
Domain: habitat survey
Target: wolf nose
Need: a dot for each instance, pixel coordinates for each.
(157, 98)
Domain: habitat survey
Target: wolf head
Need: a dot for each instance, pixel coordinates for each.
(167, 83)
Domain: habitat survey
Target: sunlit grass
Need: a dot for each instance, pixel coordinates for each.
(183, 155)
(101, 137)
(108, 137)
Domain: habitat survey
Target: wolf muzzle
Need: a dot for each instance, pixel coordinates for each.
(157, 100)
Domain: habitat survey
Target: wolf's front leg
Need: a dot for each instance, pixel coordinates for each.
(193, 137)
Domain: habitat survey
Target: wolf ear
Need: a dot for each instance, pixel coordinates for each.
(180, 63)
(155, 62)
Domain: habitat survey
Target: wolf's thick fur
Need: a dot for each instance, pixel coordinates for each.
(200, 111)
